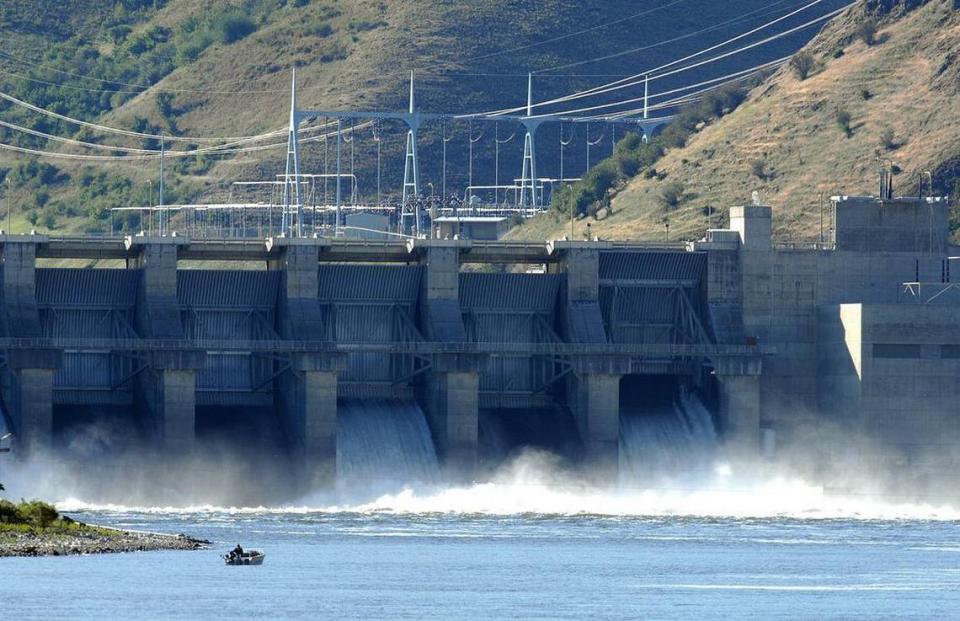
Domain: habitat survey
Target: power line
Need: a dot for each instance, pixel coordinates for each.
(723, 80)
(574, 34)
(142, 87)
(126, 132)
(80, 143)
(208, 151)
(641, 78)
(736, 20)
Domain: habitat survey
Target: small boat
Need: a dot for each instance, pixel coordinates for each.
(253, 557)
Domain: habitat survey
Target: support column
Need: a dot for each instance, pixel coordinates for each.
(166, 390)
(452, 405)
(306, 394)
(307, 404)
(597, 414)
(168, 399)
(593, 391)
(739, 383)
(28, 378)
(31, 401)
(35, 396)
(158, 311)
(451, 390)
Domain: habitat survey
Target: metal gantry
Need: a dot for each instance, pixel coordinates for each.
(529, 198)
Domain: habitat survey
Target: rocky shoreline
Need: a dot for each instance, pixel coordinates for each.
(90, 540)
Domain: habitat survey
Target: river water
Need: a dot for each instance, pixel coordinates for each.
(525, 546)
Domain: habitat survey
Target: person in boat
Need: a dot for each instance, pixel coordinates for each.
(237, 552)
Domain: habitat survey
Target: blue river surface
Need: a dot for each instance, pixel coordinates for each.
(344, 564)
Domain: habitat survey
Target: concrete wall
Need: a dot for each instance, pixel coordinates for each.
(910, 367)
(864, 224)
(798, 304)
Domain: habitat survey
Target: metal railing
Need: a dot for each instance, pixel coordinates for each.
(645, 350)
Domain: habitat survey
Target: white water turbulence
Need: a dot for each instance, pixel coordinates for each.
(382, 444)
(670, 440)
(535, 484)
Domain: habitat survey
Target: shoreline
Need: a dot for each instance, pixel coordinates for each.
(82, 539)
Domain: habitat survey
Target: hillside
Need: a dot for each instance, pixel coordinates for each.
(793, 139)
(221, 68)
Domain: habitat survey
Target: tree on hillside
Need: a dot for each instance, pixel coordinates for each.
(802, 64)
(888, 139)
(671, 195)
(867, 31)
(843, 121)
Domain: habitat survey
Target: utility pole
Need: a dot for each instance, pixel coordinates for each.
(160, 218)
(336, 224)
(472, 141)
(293, 167)
(444, 140)
(646, 97)
(377, 138)
(411, 168)
(6, 195)
(529, 152)
(820, 200)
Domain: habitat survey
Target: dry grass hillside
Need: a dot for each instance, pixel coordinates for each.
(167, 66)
(787, 141)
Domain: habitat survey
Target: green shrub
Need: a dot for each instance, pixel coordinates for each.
(803, 64)
(888, 139)
(672, 195)
(364, 25)
(119, 34)
(867, 31)
(322, 30)
(338, 52)
(758, 168)
(844, 118)
(9, 513)
(37, 513)
(165, 105)
(235, 26)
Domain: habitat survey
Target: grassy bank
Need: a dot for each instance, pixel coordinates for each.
(36, 529)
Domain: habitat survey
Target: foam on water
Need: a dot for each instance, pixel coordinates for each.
(531, 485)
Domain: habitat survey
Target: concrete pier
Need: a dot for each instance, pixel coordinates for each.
(597, 412)
(451, 391)
(739, 415)
(306, 394)
(29, 382)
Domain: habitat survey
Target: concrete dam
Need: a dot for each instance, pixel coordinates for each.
(448, 354)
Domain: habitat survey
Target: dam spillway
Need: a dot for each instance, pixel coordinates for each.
(179, 330)
(543, 341)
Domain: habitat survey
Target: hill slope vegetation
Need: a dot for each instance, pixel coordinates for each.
(880, 82)
(222, 68)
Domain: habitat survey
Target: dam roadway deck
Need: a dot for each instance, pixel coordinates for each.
(331, 250)
(164, 328)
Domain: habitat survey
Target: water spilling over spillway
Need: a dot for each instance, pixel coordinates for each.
(669, 436)
(384, 441)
